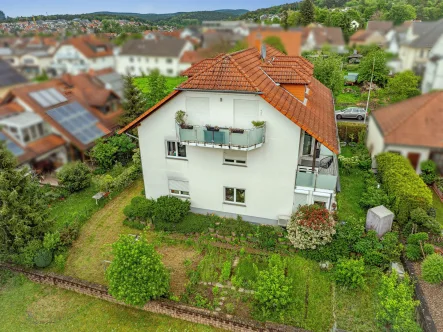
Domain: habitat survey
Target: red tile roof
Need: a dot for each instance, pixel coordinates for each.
(9, 109)
(191, 57)
(46, 144)
(242, 72)
(89, 46)
(286, 74)
(416, 122)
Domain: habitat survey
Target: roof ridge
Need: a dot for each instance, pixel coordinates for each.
(244, 73)
(411, 114)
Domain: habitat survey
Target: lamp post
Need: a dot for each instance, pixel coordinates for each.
(370, 88)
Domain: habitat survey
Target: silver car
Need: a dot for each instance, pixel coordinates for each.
(351, 113)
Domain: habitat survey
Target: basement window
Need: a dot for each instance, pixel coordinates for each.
(235, 158)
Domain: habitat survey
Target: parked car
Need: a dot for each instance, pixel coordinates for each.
(351, 113)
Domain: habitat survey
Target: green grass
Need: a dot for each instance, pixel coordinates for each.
(171, 83)
(26, 306)
(356, 309)
(352, 187)
(438, 205)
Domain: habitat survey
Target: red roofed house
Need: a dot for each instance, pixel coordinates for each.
(80, 54)
(259, 138)
(412, 128)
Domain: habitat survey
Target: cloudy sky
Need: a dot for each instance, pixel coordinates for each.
(38, 7)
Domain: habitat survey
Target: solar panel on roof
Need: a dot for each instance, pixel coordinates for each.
(78, 121)
(48, 97)
(11, 146)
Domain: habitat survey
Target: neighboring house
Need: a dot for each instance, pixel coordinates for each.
(291, 38)
(412, 128)
(9, 77)
(237, 27)
(80, 54)
(49, 123)
(318, 37)
(355, 25)
(433, 77)
(190, 58)
(420, 39)
(381, 26)
(366, 37)
(214, 38)
(138, 57)
(262, 173)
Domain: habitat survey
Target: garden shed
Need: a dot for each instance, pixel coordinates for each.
(379, 219)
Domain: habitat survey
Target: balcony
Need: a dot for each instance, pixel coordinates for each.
(222, 138)
(324, 176)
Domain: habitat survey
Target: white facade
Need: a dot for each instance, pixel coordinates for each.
(68, 59)
(268, 177)
(376, 145)
(412, 57)
(138, 65)
(433, 77)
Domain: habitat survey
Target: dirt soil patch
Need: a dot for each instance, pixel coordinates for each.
(174, 258)
(434, 298)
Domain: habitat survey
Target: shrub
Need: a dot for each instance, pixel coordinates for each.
(266, 236)
(397, 305)
(51, 240)
(107, 151)
(421, 218)
(428, 249)
(27, 254)
(129, 174)
(349, 273)
(60, 262)
(428, 171)
(136, 273)
(413, 252)
(310, 226)
(69, 233)
(191, 223)
(350, 132)
(391, 247)
(170, 209)
(134, 224)
(417, 238)
(140, 209)
(432, 269)
(226, 271)
(273, 290)
(373, 196)
(74, 176)
(402, 183)
(43, 258)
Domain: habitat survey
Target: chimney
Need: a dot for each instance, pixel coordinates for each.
(257, 43)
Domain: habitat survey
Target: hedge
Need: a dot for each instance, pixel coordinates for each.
(402, 183)
(347, 128)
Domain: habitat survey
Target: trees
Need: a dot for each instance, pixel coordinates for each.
(432, 269)
(307, 11)
(402, 86)
(134, 103)
(23, 212)
(401, 12)
(108, 151)
(376, 60)
(328, 71)
(74, 176)
(156, 88)
(275, 42)
(136, 274)
(294, 18)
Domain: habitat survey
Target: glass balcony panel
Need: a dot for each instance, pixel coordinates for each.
(305, 180)
(325, 181)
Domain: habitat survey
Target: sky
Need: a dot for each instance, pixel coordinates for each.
(15, 8)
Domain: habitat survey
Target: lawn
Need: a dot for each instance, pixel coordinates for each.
(171, 83)
(352, 186)
(26, 306)
(438, 205)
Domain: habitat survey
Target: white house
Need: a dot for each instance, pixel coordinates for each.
(420, 39)
(80, 54)
(226, 165)
(433, 77)
(412, 128)
(138, 57)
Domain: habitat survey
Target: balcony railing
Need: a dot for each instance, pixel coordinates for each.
(223, 138)
(324, 175)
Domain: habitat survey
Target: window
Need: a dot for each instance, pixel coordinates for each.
(131, 59)
(307, 144)
(179, 188)
(168, 60)
(33, 132)
(147, 59)
(169, 71)
(26, 136)
(237, 158)
(175, 149)
(234, 195)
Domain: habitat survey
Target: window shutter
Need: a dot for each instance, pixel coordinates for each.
(179, 185)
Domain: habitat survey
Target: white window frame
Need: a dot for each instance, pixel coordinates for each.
(176, 156)
(179, 193)
(235, 162)
(234, 202)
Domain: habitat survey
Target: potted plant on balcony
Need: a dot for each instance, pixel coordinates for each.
(236, 130)
(258, 124)
(212, 128)
(180, 118)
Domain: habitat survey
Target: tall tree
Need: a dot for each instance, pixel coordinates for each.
(23, 212)
(275, 42)
(307, 11)
(401, 12)
(375, 60)
(2, 16)
(134, 102)
(328, 71)
(156, 88)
